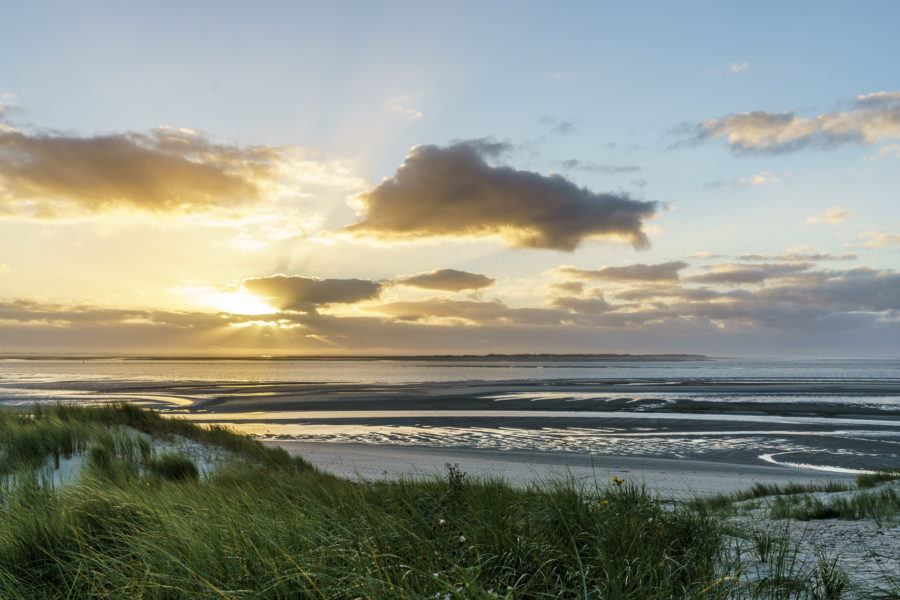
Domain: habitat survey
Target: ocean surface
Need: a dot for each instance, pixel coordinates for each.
(835, 415)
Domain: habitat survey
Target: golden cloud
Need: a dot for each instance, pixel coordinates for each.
(874, 118)
(168, 171)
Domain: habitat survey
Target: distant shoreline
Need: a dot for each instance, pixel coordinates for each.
(609, 357)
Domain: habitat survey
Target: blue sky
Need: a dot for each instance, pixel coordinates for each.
(768, 137)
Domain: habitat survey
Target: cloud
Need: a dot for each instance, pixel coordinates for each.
(848, 312)
(581, 305)
(568, 287)
(892, 150)
(165, 171)
(878, 100)
(677, 292)
(704, 255)
(833, 215)
(799, 256)
(469, 311)
(448, 280)
(875, 118)
(738, 67)
(39, 313)
(452, 191)
(304, 293)
(639, 183)
(402, 105)
(880, 239)
(857, 289)
(580, 165)
(558, 126)
(667, 271)
(761, 178)
(743, 274)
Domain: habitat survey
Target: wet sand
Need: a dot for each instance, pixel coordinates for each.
(720, 433)
(843, 420)
(670, 478)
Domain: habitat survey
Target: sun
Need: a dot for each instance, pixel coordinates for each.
(238, 302)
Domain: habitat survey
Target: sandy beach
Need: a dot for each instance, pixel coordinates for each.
(671, 478)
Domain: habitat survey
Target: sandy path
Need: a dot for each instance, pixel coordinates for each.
(671, 478)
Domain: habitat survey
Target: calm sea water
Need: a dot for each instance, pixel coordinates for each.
(110, 370)
(823, 414)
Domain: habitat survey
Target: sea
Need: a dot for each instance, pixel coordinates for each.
(813, 415)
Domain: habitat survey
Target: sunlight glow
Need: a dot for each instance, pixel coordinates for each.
(281, 324)
(237, 302)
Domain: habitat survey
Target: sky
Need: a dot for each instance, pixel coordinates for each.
(369, 178)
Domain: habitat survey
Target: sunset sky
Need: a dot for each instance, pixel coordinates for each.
(461, 177)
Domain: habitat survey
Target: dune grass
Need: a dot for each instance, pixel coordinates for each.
(137, 524)
(800, 502)
(725, 503)
(269, 525)
(869, 480)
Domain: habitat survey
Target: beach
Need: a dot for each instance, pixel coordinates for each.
(670, 478)
(680, 427)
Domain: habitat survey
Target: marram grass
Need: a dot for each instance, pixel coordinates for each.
(267, 525)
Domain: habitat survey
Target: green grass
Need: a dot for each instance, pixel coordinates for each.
(137, 524)
(247, 533)
(883, 506)
(724, 503)
(173, 467)
(869, 480)
(268, 525)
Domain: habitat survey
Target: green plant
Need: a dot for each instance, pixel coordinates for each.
(829, 580)
(174, 467)
(868, 480)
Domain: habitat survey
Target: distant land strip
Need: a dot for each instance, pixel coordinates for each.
(414, 357)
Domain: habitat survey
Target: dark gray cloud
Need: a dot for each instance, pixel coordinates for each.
(875, 118)
(667, 271)
(304, 293)
(743, 274)
(447, 279)
(592, 167)
(453, 192)
(167, 171)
